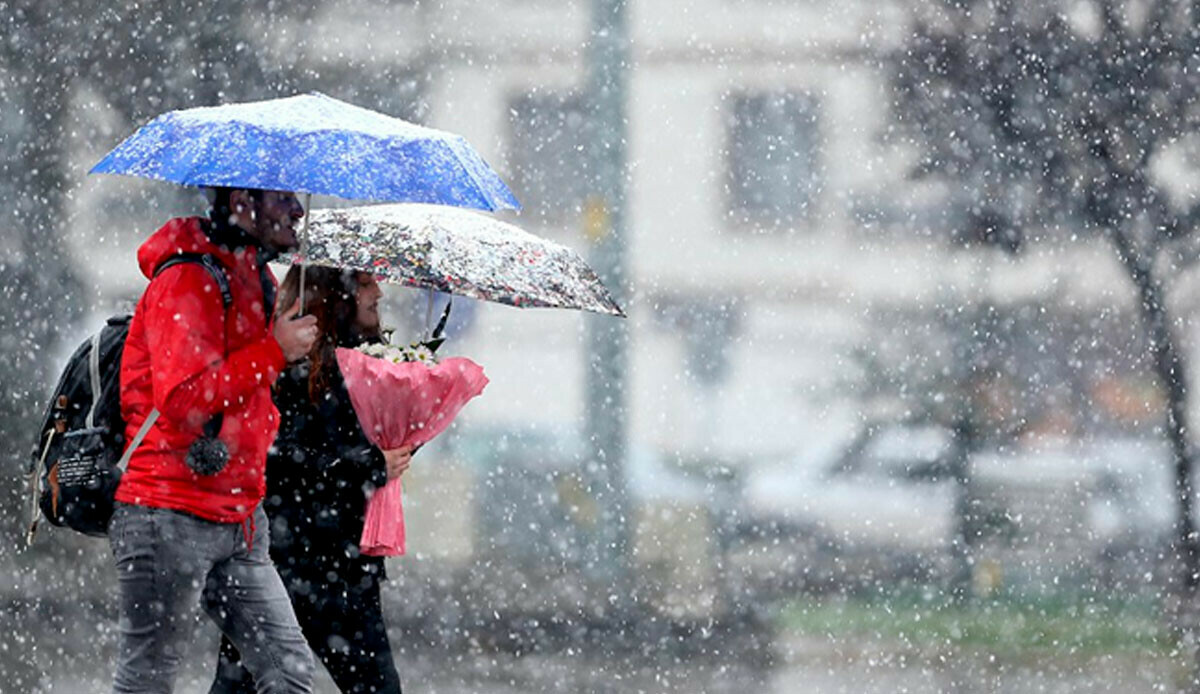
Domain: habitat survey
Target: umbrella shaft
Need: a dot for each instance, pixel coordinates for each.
(304, 245)
(429, 315)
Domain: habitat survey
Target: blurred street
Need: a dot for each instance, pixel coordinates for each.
(806, 665)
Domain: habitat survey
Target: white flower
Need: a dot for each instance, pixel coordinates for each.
(398, 354)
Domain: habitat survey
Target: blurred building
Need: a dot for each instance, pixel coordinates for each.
(773, 231)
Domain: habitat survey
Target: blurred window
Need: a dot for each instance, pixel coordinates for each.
(905, 452)
(548, 155)
(774, 158)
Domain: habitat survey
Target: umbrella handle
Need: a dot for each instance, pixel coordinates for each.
(429, 314)
(303, 246)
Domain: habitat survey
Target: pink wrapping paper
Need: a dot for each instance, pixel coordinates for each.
(402, 404)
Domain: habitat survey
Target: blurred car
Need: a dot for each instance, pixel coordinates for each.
(883, 487)
(877, 504)
(1103, 491)
(892, 488)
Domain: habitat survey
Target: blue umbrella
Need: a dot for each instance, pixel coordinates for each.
(313, 144)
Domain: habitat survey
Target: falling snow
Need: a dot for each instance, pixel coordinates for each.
(884, 378)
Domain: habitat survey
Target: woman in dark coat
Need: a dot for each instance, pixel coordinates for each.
(319, 474)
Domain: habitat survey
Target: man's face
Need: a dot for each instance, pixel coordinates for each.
(273, 216)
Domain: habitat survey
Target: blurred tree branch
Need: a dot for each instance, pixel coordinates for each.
(1052, 115)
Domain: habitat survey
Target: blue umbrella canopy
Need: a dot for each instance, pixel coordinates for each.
(310, 143)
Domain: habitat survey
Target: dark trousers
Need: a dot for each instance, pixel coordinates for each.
(343, 623)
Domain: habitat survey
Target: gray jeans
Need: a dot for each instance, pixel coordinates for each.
(167, 563)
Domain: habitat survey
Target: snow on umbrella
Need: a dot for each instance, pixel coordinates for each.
(312, 144)
(455, 251)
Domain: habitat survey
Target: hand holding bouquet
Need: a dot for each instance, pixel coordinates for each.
(403, 396)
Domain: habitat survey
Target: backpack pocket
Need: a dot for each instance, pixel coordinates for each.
(80, 482)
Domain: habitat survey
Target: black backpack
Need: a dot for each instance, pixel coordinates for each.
(77, 458)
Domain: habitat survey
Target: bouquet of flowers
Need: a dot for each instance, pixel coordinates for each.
(403, 396)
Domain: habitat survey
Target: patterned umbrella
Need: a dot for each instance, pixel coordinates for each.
(454, 250)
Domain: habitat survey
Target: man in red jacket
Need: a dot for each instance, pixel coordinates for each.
(182, 533)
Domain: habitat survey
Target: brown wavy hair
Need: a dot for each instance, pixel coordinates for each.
(330, 294)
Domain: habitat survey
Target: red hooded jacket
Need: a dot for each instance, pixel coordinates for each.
(190, 358)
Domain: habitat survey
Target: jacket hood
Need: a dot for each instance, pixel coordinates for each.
(179, 235)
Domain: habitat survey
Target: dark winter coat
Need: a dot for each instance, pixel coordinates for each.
(319, 474)
(190, 358)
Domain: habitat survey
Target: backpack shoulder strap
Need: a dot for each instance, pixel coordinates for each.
(210, 263)
(137, 439)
